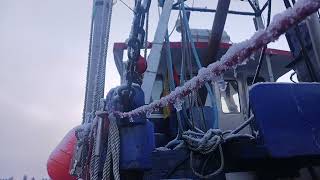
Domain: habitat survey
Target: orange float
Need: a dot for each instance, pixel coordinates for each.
(58, 164)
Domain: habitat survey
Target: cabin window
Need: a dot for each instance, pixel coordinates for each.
(157, 90)
(229, 96)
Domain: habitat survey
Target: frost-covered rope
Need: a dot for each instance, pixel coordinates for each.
(207, 143)
(204, 143)
(236, 55)
(113, 151)
(101, 68)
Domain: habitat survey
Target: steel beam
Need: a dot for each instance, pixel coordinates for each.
(214, 11)
(155, 53)
(217, 30)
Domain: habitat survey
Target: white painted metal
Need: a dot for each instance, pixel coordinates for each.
(155, 53)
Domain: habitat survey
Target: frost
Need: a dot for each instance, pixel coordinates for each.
(235, 73)
(222, 85)
(178, 104)
(131, 119)
(148, 114)
(162, 149)
(236, 55)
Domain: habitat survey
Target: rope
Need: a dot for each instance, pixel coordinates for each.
(92, 169)
(88, 64)
(204, 143)
(113, 151)
(100, 79)
(207, 143)
(236, 55)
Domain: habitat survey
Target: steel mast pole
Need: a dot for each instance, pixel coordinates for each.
(217, 30)
(100, 28)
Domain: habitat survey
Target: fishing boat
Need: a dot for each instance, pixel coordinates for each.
(202, 107)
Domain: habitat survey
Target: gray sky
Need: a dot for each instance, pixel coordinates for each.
(43, 58)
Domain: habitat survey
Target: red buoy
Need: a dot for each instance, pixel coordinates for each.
(141, 65)
(58, 164)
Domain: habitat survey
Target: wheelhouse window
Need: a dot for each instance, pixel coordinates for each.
(229, 96)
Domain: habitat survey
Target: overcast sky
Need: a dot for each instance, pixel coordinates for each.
(43, 58)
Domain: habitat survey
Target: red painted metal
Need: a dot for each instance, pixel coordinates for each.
(201, 45)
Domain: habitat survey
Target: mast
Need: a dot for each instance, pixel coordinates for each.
(217, 30)
(99, 38)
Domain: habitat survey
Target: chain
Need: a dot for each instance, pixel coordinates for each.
(135, 43)
(136, 39)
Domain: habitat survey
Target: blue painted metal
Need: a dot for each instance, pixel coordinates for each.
(137, 144)
(203, 117)
(138, 99)
(288, 118)
(136, 138)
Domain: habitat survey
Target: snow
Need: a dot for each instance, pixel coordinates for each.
(236, 55)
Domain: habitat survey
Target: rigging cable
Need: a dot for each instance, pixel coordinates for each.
(88, 64)
(263, 51)
(197, 58)
(127, 6)
(291, 77)
(102, 64)
(171, 80)
(146, 37)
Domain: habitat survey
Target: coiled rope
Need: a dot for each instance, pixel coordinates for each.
(207, 143)
(204, 143)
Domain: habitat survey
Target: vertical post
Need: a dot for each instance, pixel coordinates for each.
(260, 25)
(102, 10)
(313, 25)
(217, 30)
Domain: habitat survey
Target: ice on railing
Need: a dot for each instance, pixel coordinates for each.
(237, 54)
(221, 83)
(178, 104)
